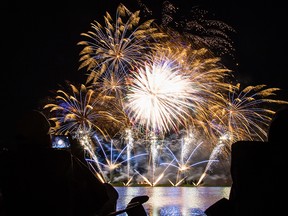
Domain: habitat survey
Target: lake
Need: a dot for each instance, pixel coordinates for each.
(173, 201)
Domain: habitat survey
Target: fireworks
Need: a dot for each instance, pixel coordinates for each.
(246, 113)
(159, 96)
(80, 113)
(199, 27)
(176, 83)
(150, 79)
(118, 46)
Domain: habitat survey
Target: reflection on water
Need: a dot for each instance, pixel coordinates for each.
(173, 201)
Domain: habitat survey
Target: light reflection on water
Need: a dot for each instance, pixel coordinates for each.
(173, 201)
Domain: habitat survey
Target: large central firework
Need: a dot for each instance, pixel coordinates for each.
(160, 96)
(157, 84)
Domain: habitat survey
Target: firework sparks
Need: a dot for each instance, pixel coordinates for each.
(176, 83)
(115, 161)
(81, 112)
(156, 78)
(245, 113)
(200, 27)
(159, 96)
(118, 46)
(183, 164)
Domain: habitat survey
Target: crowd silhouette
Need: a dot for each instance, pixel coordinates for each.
(258, 174)
(36, 179)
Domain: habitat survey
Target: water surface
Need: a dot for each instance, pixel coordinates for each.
(173, 201)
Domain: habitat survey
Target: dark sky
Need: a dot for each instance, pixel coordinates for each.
(39, 40)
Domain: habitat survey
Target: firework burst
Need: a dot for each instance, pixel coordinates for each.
(199, 27)
(245, 113)
(176, 87)
(81, 112)
(119, 46)
(160, 95)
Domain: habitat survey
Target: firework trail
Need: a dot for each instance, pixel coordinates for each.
(213, 158)
(183, 163)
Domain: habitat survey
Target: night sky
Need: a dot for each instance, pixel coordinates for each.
(39, 51)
